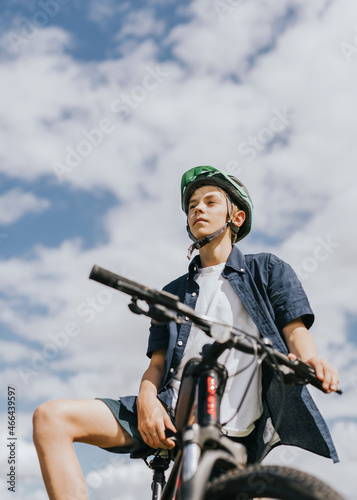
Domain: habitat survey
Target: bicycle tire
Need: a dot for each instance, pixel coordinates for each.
(274, 482)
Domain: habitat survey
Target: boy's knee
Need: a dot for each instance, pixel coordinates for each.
(46, 419)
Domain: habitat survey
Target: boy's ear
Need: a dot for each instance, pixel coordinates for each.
(238, 218)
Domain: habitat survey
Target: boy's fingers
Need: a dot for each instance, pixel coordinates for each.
(170, 433)
(154, 432)
(168, 423)
(161, 434)
(318, 367)
(157, 437)
(327, 380)
(326, 373)
(335, 381)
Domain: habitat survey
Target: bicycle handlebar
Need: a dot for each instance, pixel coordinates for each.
(150, 296)
(164, 307)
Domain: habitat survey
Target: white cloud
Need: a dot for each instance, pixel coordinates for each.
(102, 482)
(141, 23)
(15, 203)
(105, 11)
(12, 351)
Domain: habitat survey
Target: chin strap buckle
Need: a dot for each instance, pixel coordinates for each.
(207, 239)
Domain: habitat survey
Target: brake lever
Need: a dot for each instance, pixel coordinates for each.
(158, 313)
(161, 314)
(134, 308)
(288, 374)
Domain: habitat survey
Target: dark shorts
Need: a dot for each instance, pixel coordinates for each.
(129, 422)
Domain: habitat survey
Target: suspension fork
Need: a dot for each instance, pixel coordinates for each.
(209, 388)
(202, 386)
(208, 405)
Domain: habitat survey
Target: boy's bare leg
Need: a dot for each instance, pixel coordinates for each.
(57, 425)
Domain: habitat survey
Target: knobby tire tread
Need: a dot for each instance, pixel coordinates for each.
(257, 481)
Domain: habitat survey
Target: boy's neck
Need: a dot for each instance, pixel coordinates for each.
(216, 252)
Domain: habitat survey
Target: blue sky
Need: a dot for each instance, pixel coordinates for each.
(75, 215)
(104, 106)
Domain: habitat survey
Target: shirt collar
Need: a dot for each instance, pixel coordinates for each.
(236, 261)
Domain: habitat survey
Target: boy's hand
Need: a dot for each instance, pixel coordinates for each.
(324, 371)
(153, 420)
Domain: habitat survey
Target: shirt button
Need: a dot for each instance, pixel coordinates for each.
(194, 294)
(171, 370)
(195, 268)
(187, 318)
(179, 342)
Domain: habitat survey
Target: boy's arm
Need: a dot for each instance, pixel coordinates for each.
(152, 416)
(302, 345)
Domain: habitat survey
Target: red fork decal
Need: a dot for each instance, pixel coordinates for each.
(178, 484)
(211, 399)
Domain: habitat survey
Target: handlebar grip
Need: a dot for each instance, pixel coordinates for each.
(101, 275)
(303, 371)
(108, 277)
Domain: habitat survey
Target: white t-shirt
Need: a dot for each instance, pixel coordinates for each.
(218, 300)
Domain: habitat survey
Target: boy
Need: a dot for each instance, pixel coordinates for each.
(258, 293)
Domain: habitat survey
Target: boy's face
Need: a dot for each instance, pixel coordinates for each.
(207, 211)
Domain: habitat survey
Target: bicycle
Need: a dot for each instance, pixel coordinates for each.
(201, 447)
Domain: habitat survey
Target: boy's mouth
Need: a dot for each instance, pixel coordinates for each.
(199, 219)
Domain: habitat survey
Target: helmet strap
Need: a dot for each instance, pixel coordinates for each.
(207, 239)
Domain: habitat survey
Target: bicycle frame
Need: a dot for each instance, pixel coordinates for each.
(202, 444)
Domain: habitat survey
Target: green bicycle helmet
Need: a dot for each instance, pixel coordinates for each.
(234, 189)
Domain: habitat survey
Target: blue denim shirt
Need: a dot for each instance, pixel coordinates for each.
(273, 296)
